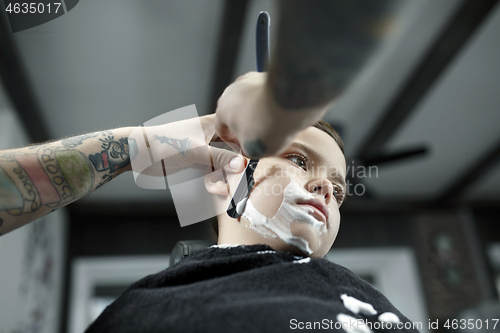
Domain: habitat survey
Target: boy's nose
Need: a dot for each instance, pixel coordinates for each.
(322, 187)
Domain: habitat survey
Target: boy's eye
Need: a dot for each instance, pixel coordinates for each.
(338, 193)
(299, 160)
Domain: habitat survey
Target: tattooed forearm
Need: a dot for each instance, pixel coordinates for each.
(53, 161)
(182, 146)
(19, 192)
(114, 154)
(78, 140)
(321, 46)
(36, 180)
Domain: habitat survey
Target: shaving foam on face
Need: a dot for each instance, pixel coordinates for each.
(280, 224)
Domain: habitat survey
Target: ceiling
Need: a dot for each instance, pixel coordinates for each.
(107, 64)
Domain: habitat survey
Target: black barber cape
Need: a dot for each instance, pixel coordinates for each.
(249, 289)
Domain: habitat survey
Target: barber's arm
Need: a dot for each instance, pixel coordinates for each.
(321, 46)
(38, 179)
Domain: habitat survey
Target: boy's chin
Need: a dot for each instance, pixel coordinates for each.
(308, 233)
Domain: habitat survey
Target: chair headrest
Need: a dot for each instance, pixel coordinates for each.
(184, 248)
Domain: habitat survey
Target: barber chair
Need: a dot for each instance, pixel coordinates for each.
(185, 248)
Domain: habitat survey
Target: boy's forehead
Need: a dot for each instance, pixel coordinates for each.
(323, 145)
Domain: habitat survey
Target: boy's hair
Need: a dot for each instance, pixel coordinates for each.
(321, 125)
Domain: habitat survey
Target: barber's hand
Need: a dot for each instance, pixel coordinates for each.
(180, 145)
(248, 116)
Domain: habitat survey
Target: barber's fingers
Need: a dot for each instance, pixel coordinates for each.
(227, 108)
(223, 131)
(218, 158)
(230, 161)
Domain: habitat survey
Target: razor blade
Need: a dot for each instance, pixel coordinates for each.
(246, 183)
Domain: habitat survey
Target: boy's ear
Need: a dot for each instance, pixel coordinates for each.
(215, 183)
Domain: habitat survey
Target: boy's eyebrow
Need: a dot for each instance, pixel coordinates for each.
(319, 156)
(342, 181)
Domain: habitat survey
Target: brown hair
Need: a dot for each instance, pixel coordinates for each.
(322, 126)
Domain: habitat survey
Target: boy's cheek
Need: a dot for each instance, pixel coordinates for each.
(272, 176)
(267, 197)
(334, 220)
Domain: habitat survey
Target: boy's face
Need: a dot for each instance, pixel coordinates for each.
(295, 202)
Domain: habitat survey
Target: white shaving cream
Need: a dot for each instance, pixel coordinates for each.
(288, 213)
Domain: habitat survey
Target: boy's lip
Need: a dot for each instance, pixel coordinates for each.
(319, 208)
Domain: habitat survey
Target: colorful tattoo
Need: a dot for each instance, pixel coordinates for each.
(55, 174)
(10, 196)
(76, 171)
(24, 186)
(39, 178)
(48, 159)
(115, 155)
